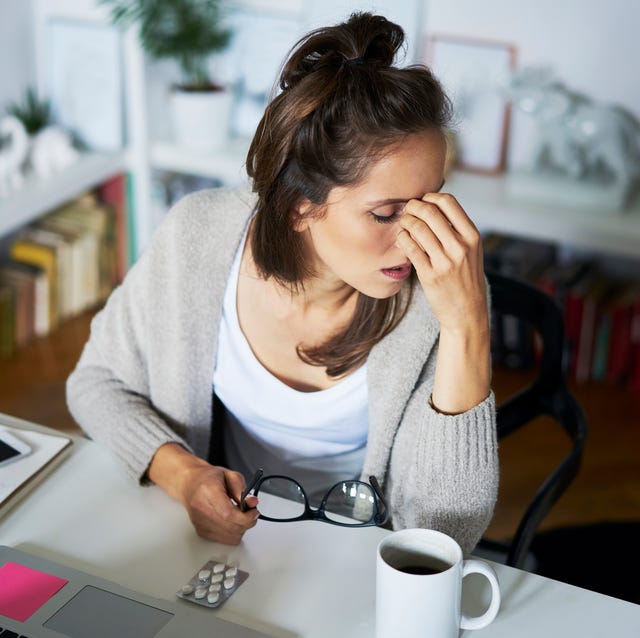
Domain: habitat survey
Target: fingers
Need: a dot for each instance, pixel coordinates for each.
(454, 213)
(213, 507)
(235, 484)
(438, 226)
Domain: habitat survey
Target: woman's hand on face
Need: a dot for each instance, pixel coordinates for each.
(445, 248)
(211, 495)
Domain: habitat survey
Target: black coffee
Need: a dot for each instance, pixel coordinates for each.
(434, 566)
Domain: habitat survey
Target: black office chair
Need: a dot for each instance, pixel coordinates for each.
(546, 396)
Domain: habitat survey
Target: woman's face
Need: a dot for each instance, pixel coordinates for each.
(354, 242)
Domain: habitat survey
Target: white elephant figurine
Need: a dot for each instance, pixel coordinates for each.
(13, 154)
(51, 152)
(576, 135)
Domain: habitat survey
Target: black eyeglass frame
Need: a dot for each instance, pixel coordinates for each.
(311, 514)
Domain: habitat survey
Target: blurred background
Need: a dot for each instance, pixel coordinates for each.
(105, 123)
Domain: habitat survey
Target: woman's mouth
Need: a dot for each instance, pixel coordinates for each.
(398, 272)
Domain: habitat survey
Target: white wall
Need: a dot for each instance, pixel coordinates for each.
(593, 45)
(17, 67)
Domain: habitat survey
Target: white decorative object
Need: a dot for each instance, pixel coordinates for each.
(201, 118)
(13, 153)
(586, 154)
(51, 152)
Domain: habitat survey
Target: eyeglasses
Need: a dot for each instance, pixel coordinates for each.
(348, 503)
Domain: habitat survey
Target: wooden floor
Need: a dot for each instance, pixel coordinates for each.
(607, 488)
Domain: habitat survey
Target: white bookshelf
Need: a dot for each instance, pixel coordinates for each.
(486, 201)
(227, 165)
(37, 196)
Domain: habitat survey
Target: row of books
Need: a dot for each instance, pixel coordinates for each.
(63, 264)
(601, 312)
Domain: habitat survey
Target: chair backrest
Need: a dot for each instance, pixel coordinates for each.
(546, 396)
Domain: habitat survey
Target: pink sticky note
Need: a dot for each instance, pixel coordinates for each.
(24, 590)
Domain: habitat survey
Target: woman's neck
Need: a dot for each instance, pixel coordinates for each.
(323, 292)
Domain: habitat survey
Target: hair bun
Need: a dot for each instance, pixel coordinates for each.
(364, 39)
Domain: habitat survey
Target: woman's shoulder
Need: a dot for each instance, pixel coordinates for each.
(213, 205)
(202, 224)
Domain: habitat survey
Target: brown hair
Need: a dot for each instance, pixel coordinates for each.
(342, 104)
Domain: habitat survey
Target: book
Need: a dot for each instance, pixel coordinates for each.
(594, 298)
(63, 249)
(602, 340)
(77, 260)
(114, 193)
(48, 448)
(44, 257)
(22, 280)
(634, 367)
(574, 304)
(96, 220)
(7, 321)
(619, 361)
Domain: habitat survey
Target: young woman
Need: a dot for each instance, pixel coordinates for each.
(337, 313)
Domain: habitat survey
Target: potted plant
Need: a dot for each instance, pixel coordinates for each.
(188, 31)
(49, 148)
(34, 113)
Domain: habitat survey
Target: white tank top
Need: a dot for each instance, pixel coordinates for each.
(297, 425)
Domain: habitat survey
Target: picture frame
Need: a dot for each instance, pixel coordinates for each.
(84, 81)
(474, 73)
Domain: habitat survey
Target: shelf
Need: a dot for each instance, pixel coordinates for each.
(38, 196)
(226, 164)
(486, 201)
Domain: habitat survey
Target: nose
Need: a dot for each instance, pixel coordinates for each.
(395, 226)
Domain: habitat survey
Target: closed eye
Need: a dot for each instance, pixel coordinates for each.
(388, 214)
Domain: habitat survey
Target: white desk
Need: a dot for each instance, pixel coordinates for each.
(306, 579)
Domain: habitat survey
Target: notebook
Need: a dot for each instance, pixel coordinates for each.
(48, 447)
(45, 599)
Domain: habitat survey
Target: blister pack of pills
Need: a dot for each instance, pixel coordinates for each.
(213, 584)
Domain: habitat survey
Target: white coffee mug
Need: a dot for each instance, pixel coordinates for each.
(419, 576)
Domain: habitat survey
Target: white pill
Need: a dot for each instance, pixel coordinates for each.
(213, 597)
(229, 583)
(187, 589)
(216, 578)
(201, 592)
(219, 567)
(204, 574)
(231, 572)
(215, 587)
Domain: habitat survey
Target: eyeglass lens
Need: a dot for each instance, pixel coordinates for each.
(293, 507)
(350, 502)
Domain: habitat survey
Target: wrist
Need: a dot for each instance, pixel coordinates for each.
(470, 336)
(172, 468)
(470, 324)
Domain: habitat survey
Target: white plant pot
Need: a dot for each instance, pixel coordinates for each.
(201, 118)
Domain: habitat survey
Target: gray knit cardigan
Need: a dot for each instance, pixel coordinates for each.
(145, 377)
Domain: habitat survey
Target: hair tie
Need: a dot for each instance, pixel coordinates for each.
(354, 61)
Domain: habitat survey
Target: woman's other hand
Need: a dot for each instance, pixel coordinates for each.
(209, 493)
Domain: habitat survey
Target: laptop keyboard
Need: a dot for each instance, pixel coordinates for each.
(7, 633)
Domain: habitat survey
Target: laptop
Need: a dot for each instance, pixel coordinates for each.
(61, 601)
